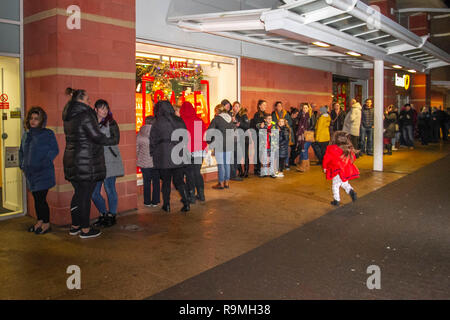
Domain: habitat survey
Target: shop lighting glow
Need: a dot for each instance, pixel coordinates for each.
(202, 62)
(321, 44)
(146, 55)
(396, 66)
(412, 71)
(354, 54)
(177, 59)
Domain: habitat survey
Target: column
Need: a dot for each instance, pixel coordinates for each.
(378, 104)
(98, 56)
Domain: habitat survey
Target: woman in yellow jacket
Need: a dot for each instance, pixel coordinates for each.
(322, 134)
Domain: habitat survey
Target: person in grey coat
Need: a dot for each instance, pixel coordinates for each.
(352, 122)
(114, 167)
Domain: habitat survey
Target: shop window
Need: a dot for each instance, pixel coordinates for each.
(203, 79)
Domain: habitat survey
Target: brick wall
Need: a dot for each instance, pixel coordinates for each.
(278, 82)
(98, 58)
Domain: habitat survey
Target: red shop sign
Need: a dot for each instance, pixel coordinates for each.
(4, 104)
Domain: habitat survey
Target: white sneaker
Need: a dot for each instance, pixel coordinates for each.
(394, 149)
(279, 175)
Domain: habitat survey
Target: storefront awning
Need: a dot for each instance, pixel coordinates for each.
(346, 31)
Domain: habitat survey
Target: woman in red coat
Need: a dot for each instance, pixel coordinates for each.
(338, 165)
(196, 145)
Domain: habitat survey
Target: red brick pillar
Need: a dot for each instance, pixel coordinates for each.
(100, 58)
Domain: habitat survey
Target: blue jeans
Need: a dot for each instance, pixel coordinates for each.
(408, 135)
(366, 146)
(304, 154)
(110, 188)
(223, 165)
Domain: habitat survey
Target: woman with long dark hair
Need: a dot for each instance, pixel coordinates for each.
(114, 167)
(162, 151)
(257, 123)
(304, 125)
(37, 151)
(84, 159)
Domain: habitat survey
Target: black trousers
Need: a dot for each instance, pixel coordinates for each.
(41, 205)
(194, 178)
(424, 133)
(151, 181)
(282, 164)
(80, 207)
(176, 175)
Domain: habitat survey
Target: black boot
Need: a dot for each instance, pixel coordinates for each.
(110, 220)
(389, 149)
(101, 221)
(166, 207)
(185, 200)
(246, 171)
(201, 194)
(240, 171)
(192, 196)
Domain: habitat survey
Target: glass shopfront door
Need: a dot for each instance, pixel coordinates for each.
(11, 194)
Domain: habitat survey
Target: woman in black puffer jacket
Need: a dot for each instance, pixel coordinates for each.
(161, 147)
(84, 161)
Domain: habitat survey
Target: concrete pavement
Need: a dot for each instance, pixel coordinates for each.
(150, 251)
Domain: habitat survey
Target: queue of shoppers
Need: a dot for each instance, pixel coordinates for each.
(172, 145)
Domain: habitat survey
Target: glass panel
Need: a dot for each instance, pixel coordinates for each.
(10, 129)
(10, 9)
(10, 38)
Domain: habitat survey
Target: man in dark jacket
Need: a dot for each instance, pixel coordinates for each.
(161, 149)
(367, 124)
(280, 113)
(84, 161)
(406, 120)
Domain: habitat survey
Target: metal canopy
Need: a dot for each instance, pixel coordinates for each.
(345, 25)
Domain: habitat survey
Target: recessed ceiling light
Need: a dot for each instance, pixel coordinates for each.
(354, 54)
(397, 66)
(321, 44)
(412, 71)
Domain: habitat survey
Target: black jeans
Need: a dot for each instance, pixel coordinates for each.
(80, 207)
(194, 178)
(41, 205)
(355, 141)
(282, 164)
(151, 181)
(319, 149)
(176, 174)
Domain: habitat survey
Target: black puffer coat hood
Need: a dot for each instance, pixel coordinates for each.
(84, 156)
(161, 144)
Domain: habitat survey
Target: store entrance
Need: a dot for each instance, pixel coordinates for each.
(11, 196)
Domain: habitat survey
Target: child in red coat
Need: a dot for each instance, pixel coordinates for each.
(338, 165)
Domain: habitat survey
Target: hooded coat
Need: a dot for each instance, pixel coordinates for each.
(84, 158)
(223, 122)
(190, 118)
(161, 144)
(336, 164)
(36, 154)
(352, 122)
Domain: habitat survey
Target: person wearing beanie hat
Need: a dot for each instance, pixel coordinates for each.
(322, 134)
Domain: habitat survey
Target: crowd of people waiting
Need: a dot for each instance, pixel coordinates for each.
(92, 156)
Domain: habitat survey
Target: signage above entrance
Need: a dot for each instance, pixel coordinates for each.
(403, 82)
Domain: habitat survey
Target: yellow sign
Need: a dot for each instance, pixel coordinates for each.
(403, 82)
